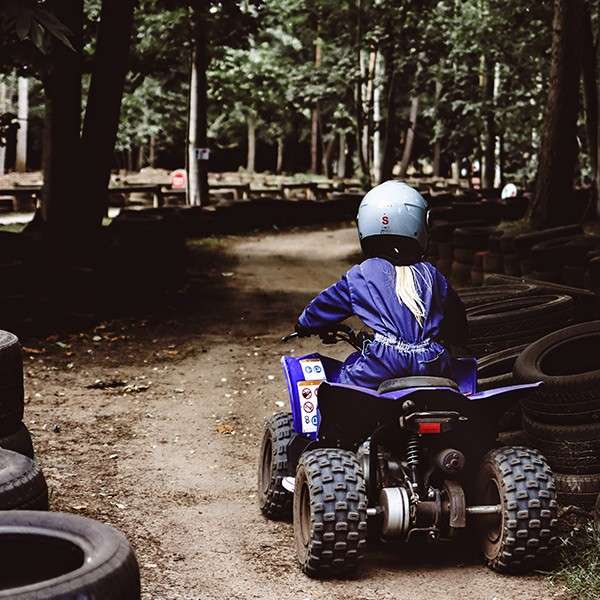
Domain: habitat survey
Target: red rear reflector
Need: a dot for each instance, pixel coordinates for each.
(430, 427)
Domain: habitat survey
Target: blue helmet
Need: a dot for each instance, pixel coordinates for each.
(393, 209)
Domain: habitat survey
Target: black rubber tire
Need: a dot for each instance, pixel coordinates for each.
(507, 244)
(587, 434)
(496, 370)
(476, 277)
(580, 490)
(526, 266)
(11, 383)
(47, 556)
(521, 481)
(568, 250)
(525, 241)
(330, 512)
(550, 276)
(574, 450)
(444, 266)
(495, 293)
(22, 483)
(511, 265)
(274, 500)
(464, 256)
(478, 259)
(19, 441)
(474, 238)
(461, 273)
(573, 276)
(519, 315)
(445, 250)
(568, 364)
(493, 263)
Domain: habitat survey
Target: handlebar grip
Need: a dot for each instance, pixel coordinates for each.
(289, 337)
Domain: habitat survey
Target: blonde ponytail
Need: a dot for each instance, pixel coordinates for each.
(407, 293)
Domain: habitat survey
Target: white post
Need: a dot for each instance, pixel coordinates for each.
(23, 115)
(377, 76)
(2, 110)
(193, 185)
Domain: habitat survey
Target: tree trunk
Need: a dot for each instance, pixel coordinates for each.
(558, 153)
(590, 90)
(437, 147)
(590, 96)
(410, 136)
(369, 91)
(341, 165)
(314, 127)
(198, 191)
(2, 110)
(251, 161)
(597, 151)
(358, 103)
(380, 66)
(23, 116)
(390, 138)
(455, 167)
(103, 109)
(62, 207)
(500, 161)
(141, 157)
(489, 158)
(279, 165)
(152, 157)
(327, 156)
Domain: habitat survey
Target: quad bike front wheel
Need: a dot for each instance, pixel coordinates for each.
(522, 534)
(330, 512)
(275, 502)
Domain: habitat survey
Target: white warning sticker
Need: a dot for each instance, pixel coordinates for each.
(312, 369)
(307, 393)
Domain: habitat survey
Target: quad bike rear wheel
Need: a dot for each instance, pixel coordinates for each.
(330, 513)
(275, 502)
(522, 535)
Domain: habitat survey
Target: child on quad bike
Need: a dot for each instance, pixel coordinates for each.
(414, 312)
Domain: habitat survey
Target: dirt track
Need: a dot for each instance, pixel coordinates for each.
(172, 461)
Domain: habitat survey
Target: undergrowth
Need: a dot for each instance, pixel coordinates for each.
(579, 567)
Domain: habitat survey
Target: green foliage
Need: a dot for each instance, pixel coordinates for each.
(263, 67)
(8, 124)
(27, 33)
(580, 568)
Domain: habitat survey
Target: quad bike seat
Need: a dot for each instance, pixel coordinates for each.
(404, 383)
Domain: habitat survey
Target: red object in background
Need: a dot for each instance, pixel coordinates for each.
(179, 179)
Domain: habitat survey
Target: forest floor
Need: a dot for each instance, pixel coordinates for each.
(166, 449)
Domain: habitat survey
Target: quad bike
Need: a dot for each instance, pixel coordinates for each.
(416, 458)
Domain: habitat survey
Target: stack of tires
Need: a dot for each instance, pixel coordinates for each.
(498, 325)
(562, 417)
(562, 255)
(14, 435)
(469, 244)
(48, 555)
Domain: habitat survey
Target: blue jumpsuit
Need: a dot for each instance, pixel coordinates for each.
(401, 346)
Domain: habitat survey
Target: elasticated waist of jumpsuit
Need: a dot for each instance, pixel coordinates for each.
(402, 346)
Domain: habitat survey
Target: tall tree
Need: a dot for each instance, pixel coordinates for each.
(23, 116)
(104, 103)
(62, 208)
(558, 153)
(198, 107)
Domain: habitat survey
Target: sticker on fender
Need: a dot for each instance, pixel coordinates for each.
(307, 393)
(312, 369)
